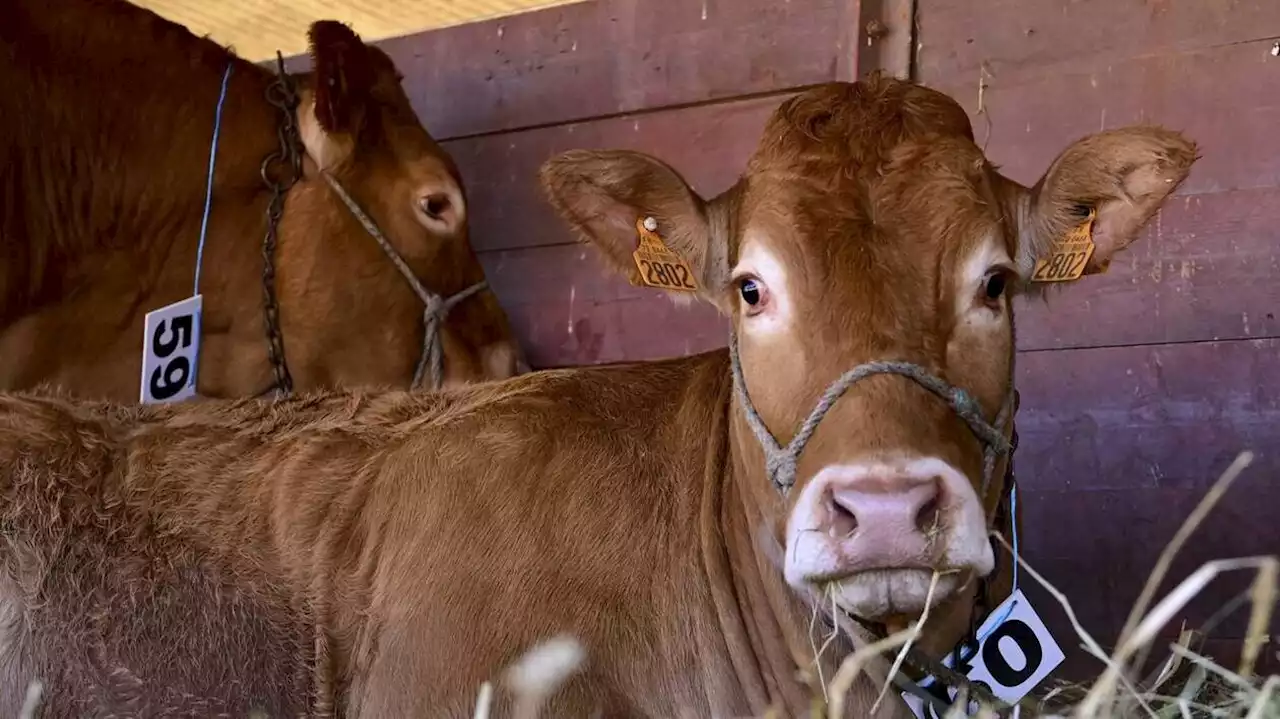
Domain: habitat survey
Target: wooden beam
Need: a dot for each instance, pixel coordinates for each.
(886, 38)
(605, 58)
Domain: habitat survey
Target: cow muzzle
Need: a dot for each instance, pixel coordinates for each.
(877, 532)
(873, 534)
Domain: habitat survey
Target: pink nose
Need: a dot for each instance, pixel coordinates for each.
(885, 520)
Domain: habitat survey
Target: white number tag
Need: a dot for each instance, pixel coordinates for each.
(1012, 659)
(170, 351)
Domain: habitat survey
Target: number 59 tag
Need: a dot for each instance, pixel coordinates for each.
(170, 351)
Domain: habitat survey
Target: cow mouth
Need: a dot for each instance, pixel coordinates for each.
(894, 597)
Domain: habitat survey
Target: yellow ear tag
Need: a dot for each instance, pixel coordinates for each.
(659, 266)
(1069, 257)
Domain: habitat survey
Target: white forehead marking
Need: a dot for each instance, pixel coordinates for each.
(988, 252)
(757, 259)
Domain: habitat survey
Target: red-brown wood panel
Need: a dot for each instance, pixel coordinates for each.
(1154, 417)
(708, 144)
(567, 308)
(1121, 431)
(608, 57)
(1202, 271)
(1119, 441)
(1052, 72)
(1138, 387)
(1213, 94)
(1205, 269)
(1051, 36)
(1117, 447)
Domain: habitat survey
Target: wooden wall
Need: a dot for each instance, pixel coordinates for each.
(1138, 387)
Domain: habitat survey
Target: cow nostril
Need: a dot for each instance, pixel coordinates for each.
(929, 516)
(843, 521)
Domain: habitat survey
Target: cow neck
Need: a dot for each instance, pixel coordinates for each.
(282, 94)
(787, 632)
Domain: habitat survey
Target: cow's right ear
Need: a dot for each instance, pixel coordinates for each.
(603, 194)
(331, 115)
(1109, 185)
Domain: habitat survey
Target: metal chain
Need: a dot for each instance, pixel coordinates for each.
(281, 94)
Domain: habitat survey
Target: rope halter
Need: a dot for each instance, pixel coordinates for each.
(780, 461)
(436, 307)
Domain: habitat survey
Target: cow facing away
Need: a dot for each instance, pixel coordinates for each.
(384, 554)
(106, 122)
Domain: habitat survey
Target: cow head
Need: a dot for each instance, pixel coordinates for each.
(358, 127)
(869, 227)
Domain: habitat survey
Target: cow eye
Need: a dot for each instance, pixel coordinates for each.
(753, 293)
(434, 205)
(994, 286)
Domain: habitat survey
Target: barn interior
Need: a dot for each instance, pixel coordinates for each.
(1137, 389)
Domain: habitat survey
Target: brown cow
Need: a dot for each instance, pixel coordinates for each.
(383, 554)
(106, 119)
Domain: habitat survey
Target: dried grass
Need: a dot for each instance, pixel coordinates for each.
(1187, 684)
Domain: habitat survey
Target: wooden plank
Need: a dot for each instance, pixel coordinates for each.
(1167, 416)
(1213, 95)
(1204, 269)
(568, 309)
(709, 144)
(1099, 548)
(609, 57)
(1052, 36)
(886, 39)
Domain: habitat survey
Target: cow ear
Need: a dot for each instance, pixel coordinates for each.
(604, 195)
(343, 75)
(1120, 177)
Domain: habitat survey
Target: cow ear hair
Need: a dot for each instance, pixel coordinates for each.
(602, 194)
(1122, 176)
(343, 74)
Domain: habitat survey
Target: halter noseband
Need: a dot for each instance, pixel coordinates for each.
(436, 307)
(283, 96)
(780, 461)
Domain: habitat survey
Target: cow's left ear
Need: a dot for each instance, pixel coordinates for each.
(343, 75)
(607, 195)
(1122, 176)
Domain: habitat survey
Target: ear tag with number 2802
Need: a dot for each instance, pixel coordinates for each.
(1070, 255)
(660, 266)
(170, 351)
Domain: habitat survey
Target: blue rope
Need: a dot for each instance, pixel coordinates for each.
(1013, 513)
(208, 190)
